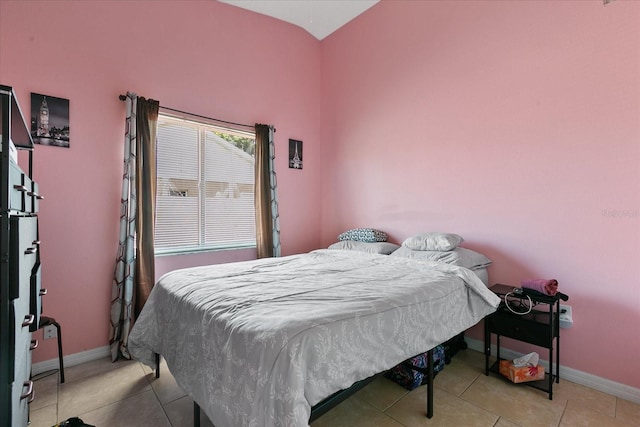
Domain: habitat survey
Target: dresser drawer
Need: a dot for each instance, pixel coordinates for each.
(22, 323)
(22, 393)
(20, 189)
(27, 200)
(20, 403)
(35, 197)
(36, 294)
(20, 364)
(16, 190)
(23, 253)
(520, 328)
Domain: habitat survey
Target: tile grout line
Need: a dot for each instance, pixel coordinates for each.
(392, 405)
(155, 394)
(92, 375)
(470, 384)
(564, 410)
(476, 405)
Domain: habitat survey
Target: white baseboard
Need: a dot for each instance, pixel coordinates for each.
(604, 385)
(72, 359)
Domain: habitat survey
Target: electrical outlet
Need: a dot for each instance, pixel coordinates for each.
(50, 331)
(566, 316)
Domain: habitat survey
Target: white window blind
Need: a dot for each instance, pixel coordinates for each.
(205, 187)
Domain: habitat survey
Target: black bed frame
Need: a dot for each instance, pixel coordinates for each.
(330, 402)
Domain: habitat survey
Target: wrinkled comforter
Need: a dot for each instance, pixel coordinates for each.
(258, 343)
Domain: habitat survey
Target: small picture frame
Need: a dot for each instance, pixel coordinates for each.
(49, 120)
(295, 154)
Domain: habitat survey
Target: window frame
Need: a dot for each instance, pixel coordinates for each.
(203, 126)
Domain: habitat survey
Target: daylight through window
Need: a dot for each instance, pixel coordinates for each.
(205, 186)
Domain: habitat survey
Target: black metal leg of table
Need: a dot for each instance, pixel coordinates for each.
(157, 356)
(430, 384)
(196, 415)
(487, 347)
(558, 359)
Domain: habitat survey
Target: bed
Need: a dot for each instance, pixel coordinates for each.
(259, 343)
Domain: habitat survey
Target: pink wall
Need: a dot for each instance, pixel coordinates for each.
(204, 57)
(514, 124)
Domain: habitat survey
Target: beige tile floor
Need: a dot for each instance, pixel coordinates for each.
(127, 393)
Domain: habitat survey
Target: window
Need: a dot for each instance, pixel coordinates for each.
(205, 186)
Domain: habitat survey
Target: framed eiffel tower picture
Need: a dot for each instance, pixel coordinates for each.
(295, 154)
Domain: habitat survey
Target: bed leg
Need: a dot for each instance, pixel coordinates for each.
(430, 384)
(196, 415)
(157, 365)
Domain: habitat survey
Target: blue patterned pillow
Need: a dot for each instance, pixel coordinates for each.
(364, 235)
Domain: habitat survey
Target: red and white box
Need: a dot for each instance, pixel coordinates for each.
(522, 374)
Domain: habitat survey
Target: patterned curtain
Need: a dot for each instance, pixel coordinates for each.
(134, 272)
(266, 196)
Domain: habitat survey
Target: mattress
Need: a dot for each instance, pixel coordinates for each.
(482, 274)
(258, 343)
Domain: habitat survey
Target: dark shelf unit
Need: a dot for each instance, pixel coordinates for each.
(539, 327)
(19, 265)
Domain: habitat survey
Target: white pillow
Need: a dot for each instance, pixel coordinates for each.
(459, 256)
(433, 242)
(384, 248)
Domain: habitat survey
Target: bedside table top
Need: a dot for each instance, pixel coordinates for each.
(501, 290)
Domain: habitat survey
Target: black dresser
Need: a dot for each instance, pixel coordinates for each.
(20, 291)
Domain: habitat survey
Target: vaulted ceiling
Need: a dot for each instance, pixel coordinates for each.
(318, 17)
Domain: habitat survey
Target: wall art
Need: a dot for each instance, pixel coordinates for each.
(295, 154)
(49, 120)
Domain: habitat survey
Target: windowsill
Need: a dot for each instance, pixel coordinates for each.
(189, 251)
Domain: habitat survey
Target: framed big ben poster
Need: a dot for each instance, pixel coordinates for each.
(49, 120)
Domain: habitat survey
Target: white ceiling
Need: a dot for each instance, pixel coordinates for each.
(318, 17)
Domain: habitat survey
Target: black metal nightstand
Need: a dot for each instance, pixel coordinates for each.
(538, 327)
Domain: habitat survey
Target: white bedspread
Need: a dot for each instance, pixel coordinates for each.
(258, 343)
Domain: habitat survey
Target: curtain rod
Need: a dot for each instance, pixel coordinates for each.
(124, 98)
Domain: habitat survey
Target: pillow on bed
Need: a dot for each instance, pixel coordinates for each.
(364, 235)
(384, 248)
(459, 256)
(433, 242)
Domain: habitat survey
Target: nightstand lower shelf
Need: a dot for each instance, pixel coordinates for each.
(540, 384)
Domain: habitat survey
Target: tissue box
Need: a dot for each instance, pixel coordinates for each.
(523, 374)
